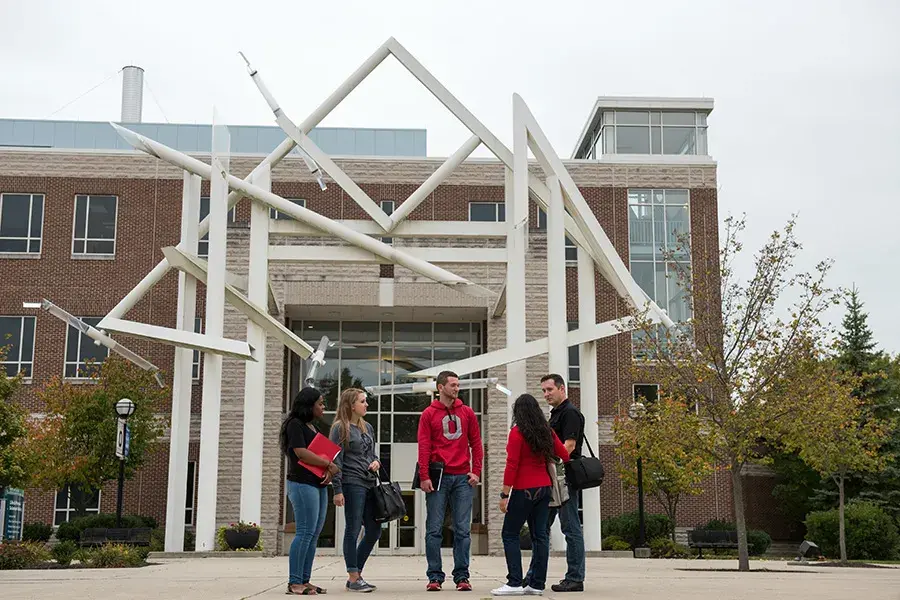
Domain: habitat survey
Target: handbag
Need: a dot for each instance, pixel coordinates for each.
(559, 491)
(585, 472)
(387, 500)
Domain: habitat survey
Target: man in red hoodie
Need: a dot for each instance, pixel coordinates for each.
(449, 435)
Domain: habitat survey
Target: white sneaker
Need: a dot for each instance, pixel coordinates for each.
(507, 590)
(530, 591)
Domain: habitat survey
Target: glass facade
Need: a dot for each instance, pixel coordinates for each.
(383, 353)
(652, 132)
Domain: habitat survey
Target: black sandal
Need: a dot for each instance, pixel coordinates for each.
(306, 591)
(318, 589)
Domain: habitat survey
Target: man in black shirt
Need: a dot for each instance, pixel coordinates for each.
(568, 423)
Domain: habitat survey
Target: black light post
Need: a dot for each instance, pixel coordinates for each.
(124, 408)
(637, 411)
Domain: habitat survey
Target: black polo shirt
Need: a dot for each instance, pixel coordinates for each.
(568, 423)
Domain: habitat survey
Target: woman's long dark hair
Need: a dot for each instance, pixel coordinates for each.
(533, 426)
(302, 409)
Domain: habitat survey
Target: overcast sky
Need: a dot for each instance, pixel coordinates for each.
(807, 93)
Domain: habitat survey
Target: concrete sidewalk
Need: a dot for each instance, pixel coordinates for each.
(404, 577)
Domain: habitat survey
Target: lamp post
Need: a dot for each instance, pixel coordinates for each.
(636, 411)
(124, 408)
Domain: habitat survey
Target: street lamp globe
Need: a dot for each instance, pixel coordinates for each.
(637, 410)
(125, 408)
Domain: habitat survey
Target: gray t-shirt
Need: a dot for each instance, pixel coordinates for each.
(357, 453)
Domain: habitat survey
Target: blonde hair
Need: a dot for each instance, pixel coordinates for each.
(345, 415)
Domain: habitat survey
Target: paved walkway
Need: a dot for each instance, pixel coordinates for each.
(403, 577)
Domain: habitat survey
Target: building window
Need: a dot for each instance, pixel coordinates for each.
(653, 132)
(574, 359)
(189, 493)
(203, 244)
(95, 225)
(646, 393)
(82, 352)
(491, 212)
(69, 499)
(542, 219)
(571, 251)
(195, 364)
(658, 227)
(21, 222)
(388, 207)
(278, 216)
(17, 345)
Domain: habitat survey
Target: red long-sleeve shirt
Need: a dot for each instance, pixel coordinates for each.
(450, 435)
(524, 468)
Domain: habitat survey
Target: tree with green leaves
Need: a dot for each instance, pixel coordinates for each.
(748, 356)
(76, 438)
(15, 468)
(843, 439)
(670, 471)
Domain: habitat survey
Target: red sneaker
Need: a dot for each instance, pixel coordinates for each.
(433, 586)
(464, 586)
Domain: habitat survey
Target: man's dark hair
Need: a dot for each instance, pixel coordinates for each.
(443, 376)
(557, 379)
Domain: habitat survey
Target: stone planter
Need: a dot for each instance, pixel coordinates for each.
(241, 540)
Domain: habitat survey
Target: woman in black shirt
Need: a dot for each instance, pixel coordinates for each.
(305, 489)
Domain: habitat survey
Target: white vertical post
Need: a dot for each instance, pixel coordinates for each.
(556, 303)
(207, 484)
(182, 385)
(516, 219)
(255, 374)
(587, 315)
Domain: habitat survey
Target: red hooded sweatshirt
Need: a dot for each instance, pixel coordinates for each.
(446, 435)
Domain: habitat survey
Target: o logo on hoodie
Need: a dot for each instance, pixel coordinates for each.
(457, 427)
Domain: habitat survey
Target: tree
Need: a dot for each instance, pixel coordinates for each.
(744, 358)
(15, 467)
(841, 440)
(77, 436)
(670, 470)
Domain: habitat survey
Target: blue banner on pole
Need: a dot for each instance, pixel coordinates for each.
(127, 439)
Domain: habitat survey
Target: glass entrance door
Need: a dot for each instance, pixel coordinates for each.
(406, 533)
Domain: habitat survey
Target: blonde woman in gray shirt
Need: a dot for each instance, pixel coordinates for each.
(353, 482)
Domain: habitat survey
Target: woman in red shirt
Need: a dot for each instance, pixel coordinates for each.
(526, 495)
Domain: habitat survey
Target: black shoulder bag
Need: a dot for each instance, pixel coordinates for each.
(585, 472)
(388, 501)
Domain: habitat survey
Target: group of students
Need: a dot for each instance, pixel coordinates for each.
(450, 450)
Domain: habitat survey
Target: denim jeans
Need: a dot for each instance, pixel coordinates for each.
(358, 513)
(530, 506)
(310, 504)
(571, 528)
(456, 490)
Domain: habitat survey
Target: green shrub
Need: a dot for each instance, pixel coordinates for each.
(22, 555)
(72, 530)
(157, 540)
(758, 541)
(36, 532)
(64, 552)
(627, 526)
(114, 556)
(614, 542)
(664, 547)
(189, 540)
(871, 533)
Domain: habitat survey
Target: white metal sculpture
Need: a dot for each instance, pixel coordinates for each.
(568, 215)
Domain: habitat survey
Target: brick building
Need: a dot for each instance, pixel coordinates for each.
(82, 220)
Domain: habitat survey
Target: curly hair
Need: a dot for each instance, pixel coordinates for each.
(302, 409)
(533, 425)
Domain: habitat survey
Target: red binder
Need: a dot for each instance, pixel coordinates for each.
(323, 447)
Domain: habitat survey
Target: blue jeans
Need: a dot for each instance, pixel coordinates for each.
(358, 513)
(530, 506)
(571, 528)
(456, 490)
(310, 504)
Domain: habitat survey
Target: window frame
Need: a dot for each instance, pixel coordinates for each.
(496, 205)
(655, 122)
(67, 362)
(204, 239)
(195, 354)
(573, 368)
(190, 491)
(86, 239)
(387, 207)
(28, 237)
(279, 216)
(21, 362)
(68, 509)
